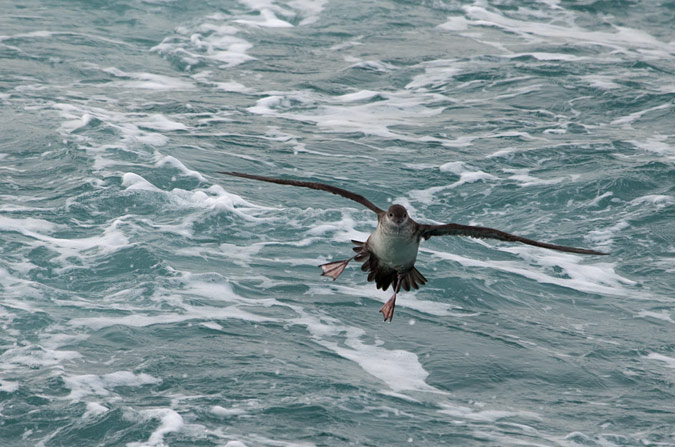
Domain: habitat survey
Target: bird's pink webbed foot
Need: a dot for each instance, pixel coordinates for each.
(388, 309)
(334, 269)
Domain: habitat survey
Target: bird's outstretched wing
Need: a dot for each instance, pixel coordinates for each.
(313, 185)
(426, 231)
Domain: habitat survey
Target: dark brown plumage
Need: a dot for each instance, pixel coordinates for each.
(390, 252)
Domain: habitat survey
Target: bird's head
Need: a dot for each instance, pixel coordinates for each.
(397, 215)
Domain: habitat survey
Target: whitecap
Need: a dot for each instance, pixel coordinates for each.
(78, 116)
(148, 81)
(94, 409)
(484, 415)
(637, 115)
(373, 65)
(664, 315)
(436, 73)
(35, 356)
(227, 412)
(7, 386)
(31, 224)
(622, 38)
(92, 384)
(235, 444)
(658, 200)
(599, 277)
(209, 42)
(669, 361)
(455, 23)
(411, 300)
(190, 313)
(523, 177)
(601, 82)
(267, 18)
(400, 370)
(310, 9)
(458, 168)
(134, 182)
(602, 237)
(170, 421)
(656, 144)
(163, 160)
(157, 121)
(400, 108)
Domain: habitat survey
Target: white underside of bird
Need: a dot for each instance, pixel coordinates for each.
(395, 249)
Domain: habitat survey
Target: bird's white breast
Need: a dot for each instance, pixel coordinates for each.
(396, 250)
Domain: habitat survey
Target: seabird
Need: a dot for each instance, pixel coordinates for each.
(389, 253)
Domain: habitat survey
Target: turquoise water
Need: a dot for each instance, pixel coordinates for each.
(147, 301)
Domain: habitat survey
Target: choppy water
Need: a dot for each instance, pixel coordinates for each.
(147, 301)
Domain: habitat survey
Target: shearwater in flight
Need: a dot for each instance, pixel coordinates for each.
(389, 253)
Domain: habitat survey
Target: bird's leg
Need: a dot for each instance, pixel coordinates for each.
(335, 269)
(388, 309)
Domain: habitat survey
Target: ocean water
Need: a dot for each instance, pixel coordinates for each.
(146, 300)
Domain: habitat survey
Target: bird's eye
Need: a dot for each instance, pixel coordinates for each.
(391, 214)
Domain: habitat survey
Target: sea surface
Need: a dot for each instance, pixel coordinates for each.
(146, 300)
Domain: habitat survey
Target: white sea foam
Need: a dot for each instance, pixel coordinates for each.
(664, 315)
(163, 160)
(148, 81)
(370, 118)
(540, 56)
(455, 23)
(157, 121)
(458, 168)
(601, 82)
(411, 301)
(17, 291)
(628, 119)
(34, 356)
(190, 313)
(657, 144)
(111, 240)
(91, 384)
(235, 444)
(598, 199)
(94, 409)
(170, 421)
(484, 415)
(227, 412)
(373, 65)
(134, 182)
(79, 116)
(309, 9)
(211, 198)
(233, 86)
(209, 42)
(599, 277)
(267, 18)
(30, 224)
(179, 297)
(523, 177)
(343, 230)
(603, 237)
(669, 361)
(621, 38)
(400, 370)
(436, 73)
(7, 386)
